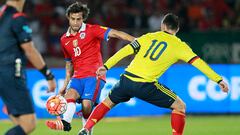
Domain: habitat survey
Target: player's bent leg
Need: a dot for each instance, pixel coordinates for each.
(87, 106)
(26, 124)
(178, 105)
(108, 102)
(178, 116)
(71, 94)
(64, 123)
(71, 97)
(98, 113)
(14, 119)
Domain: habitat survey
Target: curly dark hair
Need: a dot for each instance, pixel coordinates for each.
(78, 7)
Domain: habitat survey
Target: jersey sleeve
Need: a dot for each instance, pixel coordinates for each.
(65, 54)
(135, 45)
(21, 29)
(186, 54)
(207, 70)
(140, 41)
(122, 53)
(101, 32)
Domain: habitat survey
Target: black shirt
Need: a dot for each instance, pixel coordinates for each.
(14, 30)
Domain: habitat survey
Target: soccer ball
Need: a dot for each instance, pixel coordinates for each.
(56, 105)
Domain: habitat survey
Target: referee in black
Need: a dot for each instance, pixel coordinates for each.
(16, 47)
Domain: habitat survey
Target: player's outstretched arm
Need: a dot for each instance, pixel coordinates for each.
(122, 53)
(203, 67)
(120, 35)
(125, 51)
(37, 61)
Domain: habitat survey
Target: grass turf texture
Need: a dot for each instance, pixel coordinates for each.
(195, 125)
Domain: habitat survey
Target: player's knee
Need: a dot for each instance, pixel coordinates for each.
(31, 127)
(108, 102)
(86, 108)
(71, 94)
(179, 105)
(28, 123)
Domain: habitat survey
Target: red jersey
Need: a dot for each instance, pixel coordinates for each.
(83, 49)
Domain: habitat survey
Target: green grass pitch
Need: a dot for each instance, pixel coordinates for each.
(195, 125)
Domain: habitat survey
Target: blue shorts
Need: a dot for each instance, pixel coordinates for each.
(88, 88)
(14, 93)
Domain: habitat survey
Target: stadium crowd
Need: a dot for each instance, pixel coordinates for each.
(48, 19)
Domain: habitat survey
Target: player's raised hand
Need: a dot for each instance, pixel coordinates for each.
(224, 87)
(101, 71)
(51, 85)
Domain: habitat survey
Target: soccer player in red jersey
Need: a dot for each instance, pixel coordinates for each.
(81, 49)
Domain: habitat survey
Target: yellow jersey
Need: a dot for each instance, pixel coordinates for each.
(155, 53)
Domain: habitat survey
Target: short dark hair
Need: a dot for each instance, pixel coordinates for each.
(171, 21)
(78, 7)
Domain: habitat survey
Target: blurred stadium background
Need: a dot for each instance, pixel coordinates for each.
(212, 29)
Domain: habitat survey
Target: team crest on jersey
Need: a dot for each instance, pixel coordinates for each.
(103, 27)
(82, 35)
(75, 43)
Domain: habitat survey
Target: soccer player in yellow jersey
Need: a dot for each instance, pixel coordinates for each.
(154, 54)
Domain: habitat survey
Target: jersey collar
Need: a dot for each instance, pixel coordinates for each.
(83, 28)
(167, 32)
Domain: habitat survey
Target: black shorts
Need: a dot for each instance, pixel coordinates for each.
(14, 93)
(153, 93)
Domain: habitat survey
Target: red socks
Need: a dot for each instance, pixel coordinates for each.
(177, 122)
(71, 100)
(98, 113)
(177, 119)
